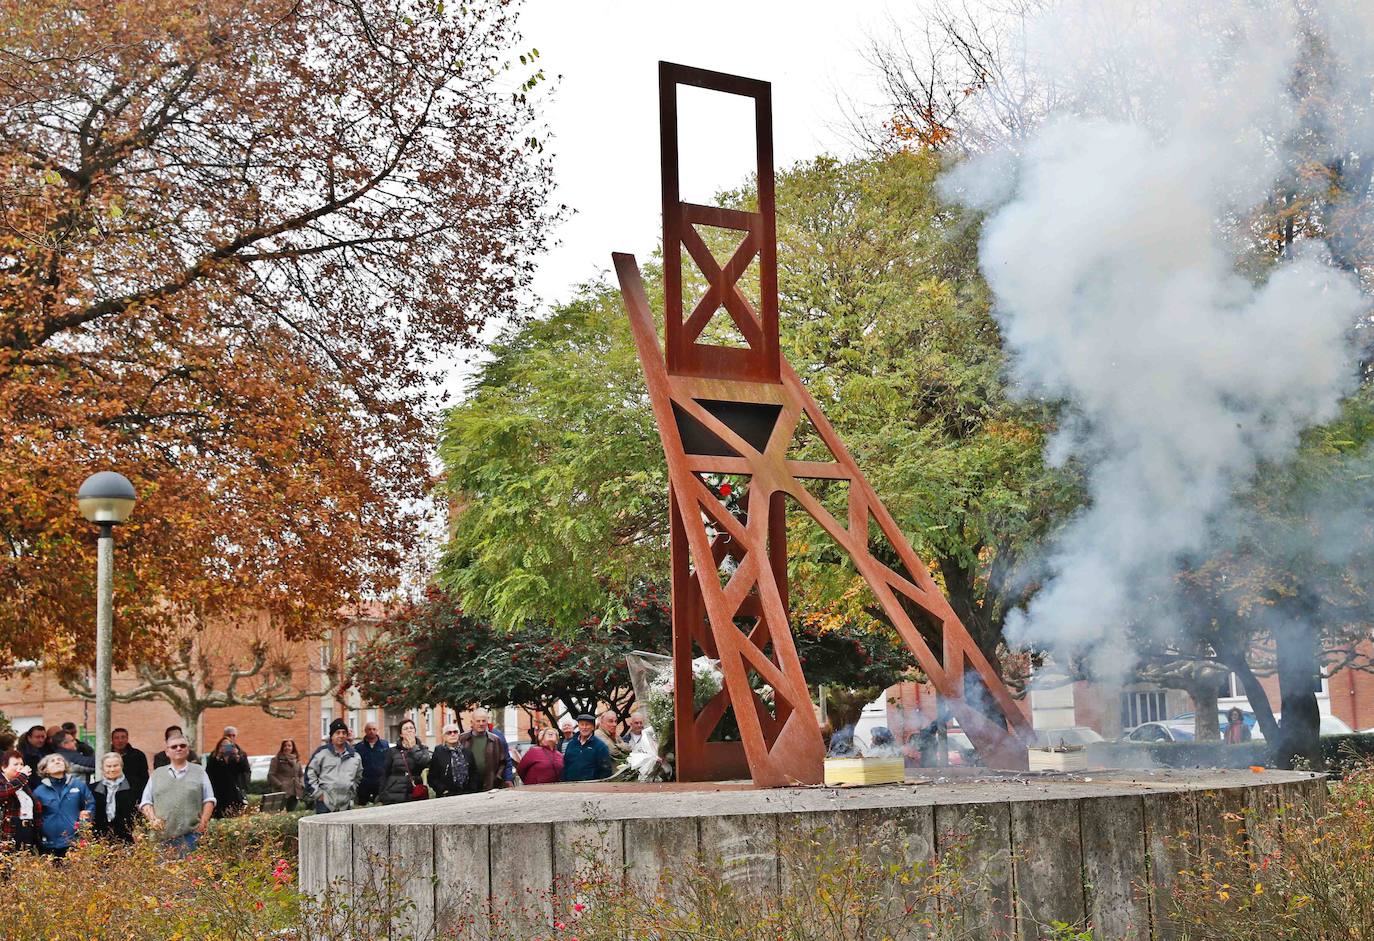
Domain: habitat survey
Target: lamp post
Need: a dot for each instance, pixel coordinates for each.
(105, 499)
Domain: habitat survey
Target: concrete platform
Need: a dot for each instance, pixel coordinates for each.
(1051, 845)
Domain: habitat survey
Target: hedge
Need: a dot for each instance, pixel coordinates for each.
(257, 829)
(1177, 754)
(1340, 751)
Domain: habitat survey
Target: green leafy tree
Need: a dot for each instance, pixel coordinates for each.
(557, 467)
(557, 471)
(430, 652)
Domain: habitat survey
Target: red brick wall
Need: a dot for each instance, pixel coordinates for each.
(1352, 697)
(38, 694)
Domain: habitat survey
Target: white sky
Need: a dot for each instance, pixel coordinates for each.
(603, 113)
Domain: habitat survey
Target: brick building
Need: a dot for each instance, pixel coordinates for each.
(1347, 694)
(35, 697)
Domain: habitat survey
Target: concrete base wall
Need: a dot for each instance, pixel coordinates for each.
(1104, 847)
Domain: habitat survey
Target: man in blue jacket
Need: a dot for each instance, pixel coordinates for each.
(586, 757)
(372, 750)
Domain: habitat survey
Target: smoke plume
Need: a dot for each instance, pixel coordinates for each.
(1127, 287)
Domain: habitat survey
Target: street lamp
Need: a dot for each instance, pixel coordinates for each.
(105, 499)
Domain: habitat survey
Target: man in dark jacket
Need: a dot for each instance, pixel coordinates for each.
(450, 768)
(372, 750)
(71, 729)
(586, 757)
(77, 763)
(489, 754)
(33, 745)
(135, 762)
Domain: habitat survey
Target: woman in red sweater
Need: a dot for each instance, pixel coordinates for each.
(542, 764)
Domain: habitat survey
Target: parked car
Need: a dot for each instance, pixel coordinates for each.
(1326, 725)
(1180, 728)
(1076, 736)
(1170, 731)
(1189, 718)
(258, 766)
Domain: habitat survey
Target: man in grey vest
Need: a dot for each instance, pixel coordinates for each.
(178, 799)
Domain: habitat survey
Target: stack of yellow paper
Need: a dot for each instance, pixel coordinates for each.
(865, 770)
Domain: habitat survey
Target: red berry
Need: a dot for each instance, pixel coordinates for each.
(726, 490)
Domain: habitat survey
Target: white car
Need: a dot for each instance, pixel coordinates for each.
(1060, 738)
(258, 766)
(1327, 725)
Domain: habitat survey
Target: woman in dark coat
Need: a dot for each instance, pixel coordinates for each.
(224, 768)
(115, 801)
(401, 771)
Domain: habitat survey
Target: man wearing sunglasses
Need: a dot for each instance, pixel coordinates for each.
(178, 799)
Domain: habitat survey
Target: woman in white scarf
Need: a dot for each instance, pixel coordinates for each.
(115, 801)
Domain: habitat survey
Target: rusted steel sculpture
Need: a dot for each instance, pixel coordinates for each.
(734, 411)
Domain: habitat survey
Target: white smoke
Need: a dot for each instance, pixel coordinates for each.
(1112, 246)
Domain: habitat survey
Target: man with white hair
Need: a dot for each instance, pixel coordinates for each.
(607, 732)
(178, 798)
(567, 727)
(489, 754)
(635, 732)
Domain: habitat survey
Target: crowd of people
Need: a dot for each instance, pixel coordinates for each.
(344, 773)
(54, 791)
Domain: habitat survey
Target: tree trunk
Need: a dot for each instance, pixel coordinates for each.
(190, 724)
(1258, 697)
(1205, 724)
(1299, 731)
(962, 593)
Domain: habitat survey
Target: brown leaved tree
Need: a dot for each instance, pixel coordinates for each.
(235, 237)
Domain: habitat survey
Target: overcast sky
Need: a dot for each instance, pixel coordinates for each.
(603, 113)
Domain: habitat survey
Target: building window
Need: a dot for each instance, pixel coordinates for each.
(1148, 706)
(326, 717)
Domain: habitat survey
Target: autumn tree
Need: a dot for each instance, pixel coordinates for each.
(557, 465)
(235, 240)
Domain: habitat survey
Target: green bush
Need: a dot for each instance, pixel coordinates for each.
(253, 829)
(1345, 752)
(1177, 754)
(1341, 752)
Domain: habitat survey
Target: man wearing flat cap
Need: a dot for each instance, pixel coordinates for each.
(586, 757)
